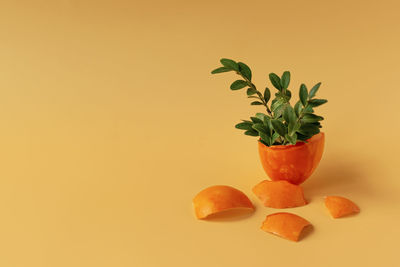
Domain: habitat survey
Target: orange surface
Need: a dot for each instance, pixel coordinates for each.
(219, 198)
(111, 123)
(284, 224)
(293, 163)
(340, 206)
(279, 194)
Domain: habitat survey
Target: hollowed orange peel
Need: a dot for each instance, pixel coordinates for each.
(284, 224)
(340, 206)
(279, 194)
(219, 198)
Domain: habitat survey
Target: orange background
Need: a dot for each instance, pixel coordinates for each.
(111, 122)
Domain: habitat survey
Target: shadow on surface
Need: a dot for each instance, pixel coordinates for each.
(338, 178)
(231, 215)
(307, 231)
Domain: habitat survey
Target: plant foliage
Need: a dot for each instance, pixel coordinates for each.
(282, 124)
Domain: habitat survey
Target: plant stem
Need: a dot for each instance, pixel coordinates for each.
(260, 96)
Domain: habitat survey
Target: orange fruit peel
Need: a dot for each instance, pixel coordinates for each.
(293, 163)
(279, 194)
(286, 225)
(218, 198)
(340, 206)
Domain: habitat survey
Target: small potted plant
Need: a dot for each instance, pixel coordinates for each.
(290, 140)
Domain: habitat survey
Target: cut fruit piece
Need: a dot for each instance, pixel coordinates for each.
(279, 194)
(219, 198)
(340, 206)
(284, 224)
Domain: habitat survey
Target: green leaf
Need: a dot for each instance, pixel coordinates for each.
(238, 84)
(259, 127)
(256, 120)
(265, 138)
(244, 126)
(251, 133)
(285, 79)
(245, 70)
(220, 70)
(309, 117)
(267, 95)
(279, 127)
(260, 116)
(275, 80)
(256, 103)
(308, 109)
(229, 63)
(274, 137)
(292, 114)
(251, 91)
(303, 137)
(268, 125)
(297, 108)
(293, 127)
(291, 138)
(317, 102)
(303, 94)
(314, 90)
(308, 129)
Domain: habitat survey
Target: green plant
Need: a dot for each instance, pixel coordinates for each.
(283, 124)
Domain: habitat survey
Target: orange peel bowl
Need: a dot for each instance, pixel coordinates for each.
(219, 198)
(293, 163)
(340, 206)
(279, 194)
(286, 225)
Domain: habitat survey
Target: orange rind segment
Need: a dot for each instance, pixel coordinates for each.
(340, 206)
(279, 194)
(284, 224)
(218, 198)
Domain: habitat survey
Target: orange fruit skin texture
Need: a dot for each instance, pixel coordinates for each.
(284, 224)
(340, 206)
(293, 163)
(219, 198)
(279, 194)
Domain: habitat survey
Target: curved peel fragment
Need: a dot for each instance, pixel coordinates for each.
(279, 194)
(340, 206)
(219, 198)
(284, 224)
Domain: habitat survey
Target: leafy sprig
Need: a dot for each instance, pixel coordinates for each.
(282, 124)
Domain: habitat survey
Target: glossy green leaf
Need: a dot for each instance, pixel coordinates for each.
(251, 133)
(317, 102)
(314, 90)
(220, 70)
(279, 127)
(267, 94)
(303, 94)
(274, 137)
(275, 80)
(256, 120)
(285, 79)
(291, 138)
(308, 129)
(245, 70)
(229, 63)
(311, 118)
(298, 108)
(244, 126)
(238, 84)
(251, 91)
(256, 103)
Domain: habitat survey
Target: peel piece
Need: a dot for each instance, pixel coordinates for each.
(284, 224)
(219, 198)
(279, 194)
(340, 206)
